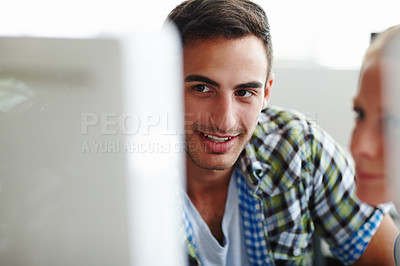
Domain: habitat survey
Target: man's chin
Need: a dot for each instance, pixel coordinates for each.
(215, 167)
(210, 164)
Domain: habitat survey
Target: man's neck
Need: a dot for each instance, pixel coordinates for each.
(204, 182)
(208, 190)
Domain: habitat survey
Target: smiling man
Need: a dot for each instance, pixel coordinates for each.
(225, 95)
(260, 180)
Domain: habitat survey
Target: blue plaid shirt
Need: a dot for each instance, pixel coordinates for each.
(292, 180)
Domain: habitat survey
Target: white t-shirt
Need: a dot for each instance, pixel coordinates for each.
(209, 250)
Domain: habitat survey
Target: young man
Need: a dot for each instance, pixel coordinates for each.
(260, 180)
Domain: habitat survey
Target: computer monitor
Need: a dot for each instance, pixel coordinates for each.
(91, 157)
(391, 85)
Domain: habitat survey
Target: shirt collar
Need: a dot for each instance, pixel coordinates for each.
(266, 175)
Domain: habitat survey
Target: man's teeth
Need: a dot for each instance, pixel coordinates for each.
(217, 139)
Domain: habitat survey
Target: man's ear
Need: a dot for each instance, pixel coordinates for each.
(268, 89)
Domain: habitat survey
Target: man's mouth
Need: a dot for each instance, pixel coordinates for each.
(218, 144)
(217, 139)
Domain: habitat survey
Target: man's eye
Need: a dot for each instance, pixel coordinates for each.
(201, 88)
(360, 115)
(243, 93)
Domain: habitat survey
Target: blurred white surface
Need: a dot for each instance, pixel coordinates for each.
(72, 192)
(391, 86)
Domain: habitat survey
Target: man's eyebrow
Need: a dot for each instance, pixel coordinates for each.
(200, 78)
(253, 84)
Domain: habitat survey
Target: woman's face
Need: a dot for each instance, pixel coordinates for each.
(368, 143)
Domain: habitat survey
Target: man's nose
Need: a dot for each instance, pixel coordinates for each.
(224, 114)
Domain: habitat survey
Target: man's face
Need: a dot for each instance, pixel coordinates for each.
(225, 91)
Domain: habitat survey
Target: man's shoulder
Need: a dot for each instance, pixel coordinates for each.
(282, 113)
(279, 151)
(278, 120)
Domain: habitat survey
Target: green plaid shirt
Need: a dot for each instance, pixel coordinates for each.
(292, 180)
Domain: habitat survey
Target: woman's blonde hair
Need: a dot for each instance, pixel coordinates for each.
(381, 41)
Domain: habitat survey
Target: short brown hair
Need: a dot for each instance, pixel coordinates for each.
(230, 19)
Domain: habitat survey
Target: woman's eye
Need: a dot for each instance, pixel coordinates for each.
(243, 93)
(360, 115)
(201, 88)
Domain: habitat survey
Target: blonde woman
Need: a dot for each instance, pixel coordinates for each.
(369, 143)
